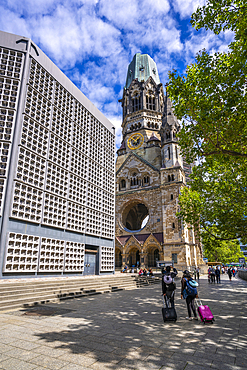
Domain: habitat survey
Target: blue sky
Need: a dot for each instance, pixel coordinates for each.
(93, 41)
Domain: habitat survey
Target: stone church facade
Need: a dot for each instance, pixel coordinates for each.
(149, 175)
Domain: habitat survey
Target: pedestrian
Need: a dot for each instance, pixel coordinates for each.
(194, 273)
(209, 274)
(198, 272)
(217, 274)
(212, 275)
(168, 285)
(125, 269)
(229, 272)
(189, 293)
(233, 271)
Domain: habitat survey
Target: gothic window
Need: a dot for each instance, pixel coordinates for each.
(168, 135)
(174, 257)
(169, 153)
(171, 196)
(146, 180)
(173, 225)
(150, 102)
(169, 178)
(134, 180)
(123, 184)
(172, 177)
(136, 103)
(176, 152)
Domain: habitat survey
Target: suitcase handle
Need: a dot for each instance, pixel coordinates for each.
(198, 302)
(164, 301)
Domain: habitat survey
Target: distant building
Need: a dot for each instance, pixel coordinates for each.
(57, 172)
(149, 175)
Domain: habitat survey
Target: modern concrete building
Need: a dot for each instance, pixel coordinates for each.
(57, 174)
(150, 174)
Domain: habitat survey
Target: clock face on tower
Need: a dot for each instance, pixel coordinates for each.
(135, 141)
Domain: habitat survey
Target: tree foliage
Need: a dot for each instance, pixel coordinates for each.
(211, 101)
(222, 15)
(220, 250)
(217, 196)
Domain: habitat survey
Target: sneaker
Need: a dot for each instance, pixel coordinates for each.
(195, 318)
(189, 318)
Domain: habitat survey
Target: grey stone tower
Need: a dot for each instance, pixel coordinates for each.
(150, 174)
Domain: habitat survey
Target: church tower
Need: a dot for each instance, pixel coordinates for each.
(149, 175)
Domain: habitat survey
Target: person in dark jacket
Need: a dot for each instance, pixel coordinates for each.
(217, 274)
(190, 299)
(229, 272)
(168, 289)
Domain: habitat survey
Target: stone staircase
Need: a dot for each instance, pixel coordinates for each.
(18, 293)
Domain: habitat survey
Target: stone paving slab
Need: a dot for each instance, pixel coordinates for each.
(124, 330)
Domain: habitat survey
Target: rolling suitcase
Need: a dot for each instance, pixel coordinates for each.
(168, 313)
(204, 312)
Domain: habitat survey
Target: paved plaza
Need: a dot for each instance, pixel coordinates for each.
(124, 330)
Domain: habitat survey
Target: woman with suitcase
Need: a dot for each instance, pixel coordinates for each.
(189, 293)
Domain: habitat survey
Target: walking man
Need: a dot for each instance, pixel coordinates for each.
(217, 274)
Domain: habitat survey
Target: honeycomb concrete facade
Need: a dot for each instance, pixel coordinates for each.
(149, 175)
(57, 171)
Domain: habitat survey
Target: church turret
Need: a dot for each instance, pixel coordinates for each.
(143, 106)
(142, 92)
(169, 143)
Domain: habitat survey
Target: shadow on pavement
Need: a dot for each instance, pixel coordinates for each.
(125, 330)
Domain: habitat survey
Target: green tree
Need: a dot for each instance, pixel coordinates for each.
(216, 196)
(210, 100)
(219, 250)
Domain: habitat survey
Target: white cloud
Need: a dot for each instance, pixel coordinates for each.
(186, 7)
(58, 35)
(31, 7)
(205, 40)
(13, 23)
(122, 13)
(93, 41)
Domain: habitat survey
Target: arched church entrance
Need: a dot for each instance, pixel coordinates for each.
(153, 256)
(134, 257)
(118, 258)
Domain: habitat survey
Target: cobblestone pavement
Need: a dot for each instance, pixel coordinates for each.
(124, 330)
